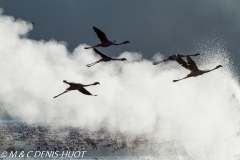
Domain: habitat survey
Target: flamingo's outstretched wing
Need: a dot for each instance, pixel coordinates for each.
(101, 35)
(182, 62)
(84, 91)
(100, 53)
(191, 64)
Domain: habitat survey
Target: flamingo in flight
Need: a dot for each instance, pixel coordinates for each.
(79, 87)
(173, 58)
(191, 65)
(105, 58)
(104, 42)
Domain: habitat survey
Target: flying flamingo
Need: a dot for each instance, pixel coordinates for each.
(191, 65)
(77, 86)
(105, 58)
(174, 57)
(104, 41)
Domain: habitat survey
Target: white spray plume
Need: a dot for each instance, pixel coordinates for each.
(202, 114)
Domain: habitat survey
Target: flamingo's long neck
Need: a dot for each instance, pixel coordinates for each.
(192, 55)
(88, 85)
(206, 71)
(116, 59)
(117, 43)
(180, 55)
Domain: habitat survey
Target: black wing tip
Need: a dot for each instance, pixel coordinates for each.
(95, 49)
(95, 28)
(31, 22)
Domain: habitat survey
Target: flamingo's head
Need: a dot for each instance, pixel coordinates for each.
(123, 59)
(219, 66)
(197, 54)
(96, 83)
(126, 42)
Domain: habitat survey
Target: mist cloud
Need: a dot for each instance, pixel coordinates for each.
(199, 113)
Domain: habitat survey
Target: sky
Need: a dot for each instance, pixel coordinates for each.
(134, 96)
(168, 27)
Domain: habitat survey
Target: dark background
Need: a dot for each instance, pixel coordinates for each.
(168, 27)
